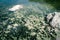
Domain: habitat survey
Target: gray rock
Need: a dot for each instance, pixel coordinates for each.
(49, 17)
(54, 19)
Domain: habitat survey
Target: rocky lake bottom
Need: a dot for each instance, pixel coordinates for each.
(29, 20)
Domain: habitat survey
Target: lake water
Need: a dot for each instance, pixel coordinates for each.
(37, 6)
(5, 4)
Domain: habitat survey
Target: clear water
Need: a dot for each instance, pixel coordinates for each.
(37, 7)
(12, 2)
(4, 4)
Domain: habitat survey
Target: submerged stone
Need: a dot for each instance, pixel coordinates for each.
(54, 19)
(16, 7)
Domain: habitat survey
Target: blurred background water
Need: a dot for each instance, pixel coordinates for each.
(5, 4)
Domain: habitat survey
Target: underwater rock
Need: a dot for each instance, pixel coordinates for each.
(16, 7)
(49, 17)
(54, 19)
